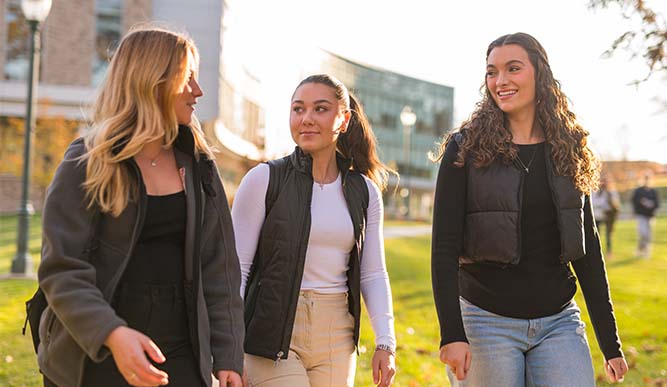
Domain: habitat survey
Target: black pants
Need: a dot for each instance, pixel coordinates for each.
(159, 312)
(609, 229)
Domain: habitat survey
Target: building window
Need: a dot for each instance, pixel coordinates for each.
(107, 35)
(17, 51)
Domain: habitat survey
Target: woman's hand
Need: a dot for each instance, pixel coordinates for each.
(129, 349)
(384, 368)
(616, 368)
(458, 357)
(230, 379)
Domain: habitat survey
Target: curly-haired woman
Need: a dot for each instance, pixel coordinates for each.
(512, 218)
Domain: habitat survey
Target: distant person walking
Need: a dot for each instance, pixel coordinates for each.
(645, 202)
(606, 206)
(512, 220)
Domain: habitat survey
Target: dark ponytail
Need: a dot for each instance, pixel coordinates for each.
(358, 141)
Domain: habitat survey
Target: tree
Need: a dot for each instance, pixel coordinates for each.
(52, 136)
(648, 41)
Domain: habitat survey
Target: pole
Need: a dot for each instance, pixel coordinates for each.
(406, 156)
(22, 263)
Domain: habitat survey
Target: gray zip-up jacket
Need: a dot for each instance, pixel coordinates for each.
(84, 254)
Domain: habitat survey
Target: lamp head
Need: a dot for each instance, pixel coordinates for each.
(36, 10)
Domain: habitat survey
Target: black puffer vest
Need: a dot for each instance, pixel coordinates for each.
(493, 213)
(275, 277)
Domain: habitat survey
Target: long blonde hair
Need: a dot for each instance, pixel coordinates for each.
(134, 106)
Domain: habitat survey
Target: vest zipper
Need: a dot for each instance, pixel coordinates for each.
(279, 356)
(298, 278)
(520, 220)
(554, 197)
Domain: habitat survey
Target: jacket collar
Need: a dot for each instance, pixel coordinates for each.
(185, 141)
(303, 163)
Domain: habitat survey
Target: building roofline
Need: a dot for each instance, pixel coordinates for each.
(381, 69)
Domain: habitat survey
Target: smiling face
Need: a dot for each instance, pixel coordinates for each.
(186, 98)
(317, 118)
(510, 79)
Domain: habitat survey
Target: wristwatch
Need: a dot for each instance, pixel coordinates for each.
(386, 348)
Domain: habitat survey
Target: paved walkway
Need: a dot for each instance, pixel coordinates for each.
(406, 231)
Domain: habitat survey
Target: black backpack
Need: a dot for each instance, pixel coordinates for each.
(35, 306)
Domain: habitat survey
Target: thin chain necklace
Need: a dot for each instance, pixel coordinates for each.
(524, 166)
(324, 182)
(154, 160)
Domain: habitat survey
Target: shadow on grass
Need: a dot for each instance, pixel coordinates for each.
(622, 262)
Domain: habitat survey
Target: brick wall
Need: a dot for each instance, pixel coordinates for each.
(10, 194)
(68, 43)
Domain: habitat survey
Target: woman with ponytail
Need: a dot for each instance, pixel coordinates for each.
(309, 239)
(138, 260)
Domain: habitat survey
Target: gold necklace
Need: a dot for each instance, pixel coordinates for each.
(153, 161)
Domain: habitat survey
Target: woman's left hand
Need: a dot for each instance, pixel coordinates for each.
(384, 368)
(616, 368)
(230, 379)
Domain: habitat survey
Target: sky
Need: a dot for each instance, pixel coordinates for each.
(445, 42)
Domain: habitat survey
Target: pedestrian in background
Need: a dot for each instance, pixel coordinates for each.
(606, 206)
(138, 260)
(309, 238)
(512, 217)
(645, 202)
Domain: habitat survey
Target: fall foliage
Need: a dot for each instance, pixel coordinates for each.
(52, 136)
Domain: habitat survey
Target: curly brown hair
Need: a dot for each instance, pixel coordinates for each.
(487, 136)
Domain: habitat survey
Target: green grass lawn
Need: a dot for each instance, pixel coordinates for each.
(639, 291)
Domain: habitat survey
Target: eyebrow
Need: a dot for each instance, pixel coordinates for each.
(509, 62)
(316, 102)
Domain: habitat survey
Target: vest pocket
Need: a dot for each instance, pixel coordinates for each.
(491, 237)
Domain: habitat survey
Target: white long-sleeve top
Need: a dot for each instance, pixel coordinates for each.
(330, 242)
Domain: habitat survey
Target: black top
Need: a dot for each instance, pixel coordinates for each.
(158, 256)
(540, 285)
(645, 201)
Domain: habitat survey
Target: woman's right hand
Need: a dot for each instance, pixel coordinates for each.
(458, 357)
(129, 348)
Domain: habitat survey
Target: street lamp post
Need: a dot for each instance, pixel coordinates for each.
(35, 12)
(408, 119)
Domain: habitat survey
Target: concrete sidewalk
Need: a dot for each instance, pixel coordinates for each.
(406, 231)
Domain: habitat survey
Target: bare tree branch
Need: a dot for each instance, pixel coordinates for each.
(648, 42)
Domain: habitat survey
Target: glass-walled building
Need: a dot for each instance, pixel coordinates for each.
(384, 94)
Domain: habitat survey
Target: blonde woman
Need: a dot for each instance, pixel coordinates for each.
(138, 260)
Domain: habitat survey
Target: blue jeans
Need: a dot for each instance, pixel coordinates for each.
(645, 229)
(549, 351)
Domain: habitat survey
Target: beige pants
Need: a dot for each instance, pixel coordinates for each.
(321, 352)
